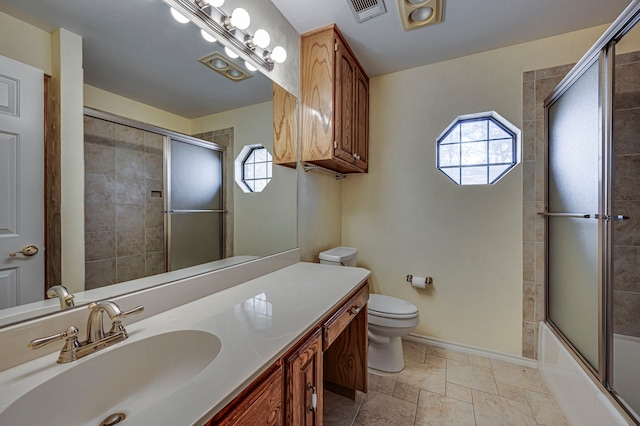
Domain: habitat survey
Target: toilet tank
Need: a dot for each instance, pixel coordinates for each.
(341, 256)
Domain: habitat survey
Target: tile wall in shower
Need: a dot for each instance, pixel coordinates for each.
(627, 195)
(124, 224)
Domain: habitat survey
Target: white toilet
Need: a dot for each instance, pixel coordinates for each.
(389, 318)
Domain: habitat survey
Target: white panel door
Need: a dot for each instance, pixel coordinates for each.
(21, 182)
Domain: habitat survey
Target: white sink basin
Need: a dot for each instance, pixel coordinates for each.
(128, 379)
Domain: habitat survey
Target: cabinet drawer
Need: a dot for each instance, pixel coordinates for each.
(341, 319)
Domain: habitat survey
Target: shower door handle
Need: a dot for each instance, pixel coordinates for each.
(585, 216)
(573, 215)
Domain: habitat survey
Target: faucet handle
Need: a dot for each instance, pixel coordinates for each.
(70, 334)
(117, 327)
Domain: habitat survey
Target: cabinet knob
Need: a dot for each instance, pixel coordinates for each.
(354, 310)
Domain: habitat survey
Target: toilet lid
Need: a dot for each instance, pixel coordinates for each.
(391, 307)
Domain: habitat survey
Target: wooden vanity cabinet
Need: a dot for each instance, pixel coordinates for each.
(304, 383)
(335, 103)
(260, 404)
(333, 356)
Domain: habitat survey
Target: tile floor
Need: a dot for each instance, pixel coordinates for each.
(441, 387)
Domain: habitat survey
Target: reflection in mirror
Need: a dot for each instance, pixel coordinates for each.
(140, 68)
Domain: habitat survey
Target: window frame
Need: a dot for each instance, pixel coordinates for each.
(240, 162)
(489, 117)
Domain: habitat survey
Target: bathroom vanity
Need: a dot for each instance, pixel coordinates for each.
(262, 349)
(334, 351)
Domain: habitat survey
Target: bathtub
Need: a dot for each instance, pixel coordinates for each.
(582, 401)
(626, 372)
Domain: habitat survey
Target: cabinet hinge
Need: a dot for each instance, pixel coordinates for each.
(335, 46)
(335, 145)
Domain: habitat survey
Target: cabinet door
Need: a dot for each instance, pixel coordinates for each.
(346, 70)
(361, 138)
(262, 406)
(304, 383)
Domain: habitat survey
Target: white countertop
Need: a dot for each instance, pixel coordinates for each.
(256, 321)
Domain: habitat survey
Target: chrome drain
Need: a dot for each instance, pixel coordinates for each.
(113, 419)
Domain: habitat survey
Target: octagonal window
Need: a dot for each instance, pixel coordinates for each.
(478, 149)
(253, 168)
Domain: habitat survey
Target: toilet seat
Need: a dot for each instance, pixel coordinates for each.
(391, 307)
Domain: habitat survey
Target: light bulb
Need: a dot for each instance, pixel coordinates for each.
(261, 38)
(205, 35)
(421, 14)
(179, 16)
(230, 53)
(250, 67)
(278, 54)
(240, 18)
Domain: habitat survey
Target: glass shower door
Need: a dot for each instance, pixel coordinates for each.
(574, 214)
(195, 204)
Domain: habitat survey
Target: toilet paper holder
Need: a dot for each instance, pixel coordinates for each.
(427, 280)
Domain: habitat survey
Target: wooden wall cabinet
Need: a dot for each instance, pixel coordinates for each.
(333, 355)
(285, 128)
(335, 103)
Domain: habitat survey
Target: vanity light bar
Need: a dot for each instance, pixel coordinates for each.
(248, 51)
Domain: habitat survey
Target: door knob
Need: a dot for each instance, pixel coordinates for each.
(29, 250)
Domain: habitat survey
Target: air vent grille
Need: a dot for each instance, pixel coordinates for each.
(366, 9)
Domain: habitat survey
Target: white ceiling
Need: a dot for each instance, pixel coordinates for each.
(469, 26)
(135, 49)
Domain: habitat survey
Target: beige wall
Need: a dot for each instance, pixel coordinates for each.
(408, 218)
(25, 43)
(264, 222)
(119, 105)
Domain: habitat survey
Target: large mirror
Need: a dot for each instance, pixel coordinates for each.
(142, 75)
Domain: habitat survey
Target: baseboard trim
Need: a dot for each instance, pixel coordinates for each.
(473, 350)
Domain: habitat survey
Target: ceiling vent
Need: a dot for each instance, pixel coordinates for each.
(364, 10)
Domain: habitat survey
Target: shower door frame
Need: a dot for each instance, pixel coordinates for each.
(168, 209)
(603, 51)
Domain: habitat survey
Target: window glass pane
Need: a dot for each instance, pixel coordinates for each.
(497, 132)
(454, 174)
(474, 176)
(474, 130)
(260, 184)
(500, 151)
(260, 154)
(453, 136)
(249, 171)
(450, 155)
(495, 172)
(474, 153)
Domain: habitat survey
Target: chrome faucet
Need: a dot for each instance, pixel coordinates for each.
(63, 294)
(97, 338)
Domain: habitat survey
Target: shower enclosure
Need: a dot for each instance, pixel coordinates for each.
(593, 210)
(153, 200)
